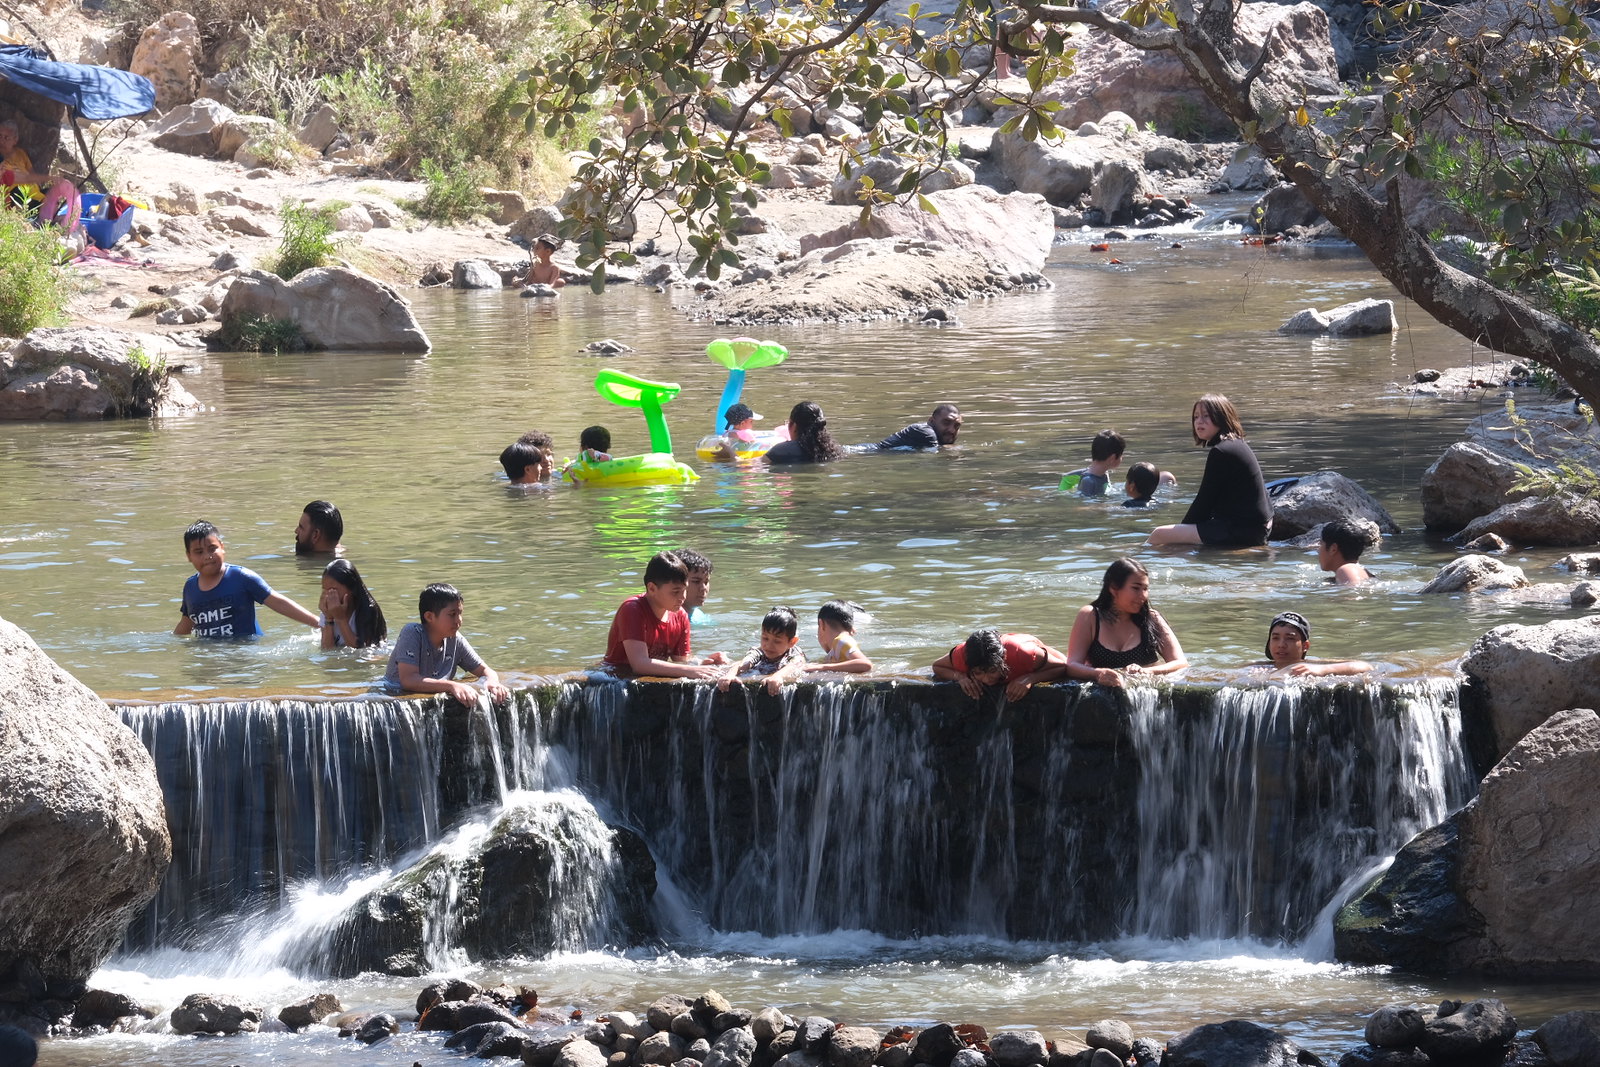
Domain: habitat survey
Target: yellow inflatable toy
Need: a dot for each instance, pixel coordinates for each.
(656, 467)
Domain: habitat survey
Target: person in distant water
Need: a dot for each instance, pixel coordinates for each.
(836, 633)
(1120, 633)
(809, 439)
(778, 656)
(1105, 456)
(650, 631)
(427, 653)
(1288, 641)
(529, 459)
(1140, 488)
(1231, 507)
(17, 1047)
(319, 530)
(541, 271)
(942, 428)
(350, 615)
(219, 599)
(21, 185)
(1343, 541)
(988, 657)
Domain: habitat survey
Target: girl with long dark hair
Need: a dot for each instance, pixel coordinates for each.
(1120, 633)
(351, 617)
(809, 439)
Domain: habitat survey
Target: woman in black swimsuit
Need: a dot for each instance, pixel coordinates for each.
(1120, 632)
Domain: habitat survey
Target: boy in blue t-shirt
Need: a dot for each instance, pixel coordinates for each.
(219, 599)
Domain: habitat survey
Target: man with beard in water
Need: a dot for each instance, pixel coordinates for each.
(319, 530)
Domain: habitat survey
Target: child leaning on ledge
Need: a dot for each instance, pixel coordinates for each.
(650, 631)
(836, 633)
(219, 599)
(778, 657)
(427, 653)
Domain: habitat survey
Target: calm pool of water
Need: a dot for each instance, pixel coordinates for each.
(933, 545)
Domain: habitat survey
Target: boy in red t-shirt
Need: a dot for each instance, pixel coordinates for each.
(989, 657)
(650, 633)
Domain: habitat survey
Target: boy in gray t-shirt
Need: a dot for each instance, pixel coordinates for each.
(427, 653)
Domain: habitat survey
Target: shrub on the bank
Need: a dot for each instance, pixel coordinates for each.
(257, 333)
(452, 193)
(307, 239)
(32, 289)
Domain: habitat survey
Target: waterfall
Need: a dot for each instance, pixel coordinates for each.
(1077, 813)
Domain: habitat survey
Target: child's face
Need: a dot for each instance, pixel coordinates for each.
(1204, 428)
(443, 624)
(1286, 646)
(207, 555)
(1329, 558)
(697, 589)
(666, 596)
(774, 644)
(992, 676)
(827, 634)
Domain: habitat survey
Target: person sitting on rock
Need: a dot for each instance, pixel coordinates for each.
(530, 458)
(1343, 541)
(942, 428)
(1288, 641)
(22, 185)
(541, 271)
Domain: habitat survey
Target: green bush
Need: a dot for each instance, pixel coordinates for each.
(452, 193)
(307, 239)
(257, 333)
(33, 291)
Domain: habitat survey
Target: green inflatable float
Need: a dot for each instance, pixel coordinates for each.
(655, 467)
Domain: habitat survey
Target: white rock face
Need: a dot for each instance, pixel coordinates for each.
(168, 53)
(334, 307)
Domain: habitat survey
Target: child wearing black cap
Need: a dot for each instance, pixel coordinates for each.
(1288, 641)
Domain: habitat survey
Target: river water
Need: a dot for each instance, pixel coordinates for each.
(932, 545)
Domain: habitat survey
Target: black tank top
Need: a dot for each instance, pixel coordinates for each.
(1144, 653)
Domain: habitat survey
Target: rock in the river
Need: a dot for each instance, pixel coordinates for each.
(1113, 1034)
(100, 1007)
(1358, 319)
(1322, 497)
(1396, 1026)
(84, 372)
(1283, 207)
(1518, 676)
(334, 308)
(308, 1011)
(1469, 480)
(1564, 520)
(204, 1013)
(1236, 1043)
(539, 289)
(937, 1045)
(1571, 1039)
(377, 1028)
(1470, 1032)
(474, 274)
(1475, 574)
(1018, 1048)
(1369, 1056)
(766, 1024)
(814, 1033)
(83, 828)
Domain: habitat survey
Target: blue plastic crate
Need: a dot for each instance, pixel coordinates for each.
(102, 231)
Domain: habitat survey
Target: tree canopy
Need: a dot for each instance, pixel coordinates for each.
(1485, 107)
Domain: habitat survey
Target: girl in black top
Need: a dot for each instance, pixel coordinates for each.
(1231, 506)
(809, 439)
(1120, 632)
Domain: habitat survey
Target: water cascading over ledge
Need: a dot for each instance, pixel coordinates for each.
(1076, 813)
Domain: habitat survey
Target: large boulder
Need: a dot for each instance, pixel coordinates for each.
(193, 129)
(83, 833)
(1571, 1039)
(1504, 886)
(1518, 676)
(1236, 1043)
(1475, 573)
(1322, 497)
(1473, 1031)
(1564, 519)
(334, 307)
(1472, 478)
(1060, 171)
(1281, 207)
(205, 1013)
(84, 372)
(168, 53)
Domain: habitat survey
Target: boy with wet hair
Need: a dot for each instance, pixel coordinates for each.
(530, 458)
(427, 653)
(1105, 455)
(778, 657)
(541, 271)
(650, 631)
(1343, 541)
(836, 634)
(989, 657)
(219, 599)
(595, 444)
(1143, 481)
(319, 530)
(1288, 641)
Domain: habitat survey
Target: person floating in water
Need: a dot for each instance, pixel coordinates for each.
(1288, 641)
(529, 459)
(1140, 488)
(1105, 456)
(319, 530)
(942, 428)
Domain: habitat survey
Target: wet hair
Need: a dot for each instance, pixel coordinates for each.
(1223, 415)
(1289, 618)
(17, 1046)
(780, 620)
(1144, 478)
(1116, 577)
(693, 561)
(811, 433)
(435, 597)
(199, 532)
(519, 456)
(665, 568)
(1348, 536)
(1107, 443)
(326, 520)
(841, 613)
(595, 437)
(366, 618)
(549, 240)
(984, 651)
(538, 439)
